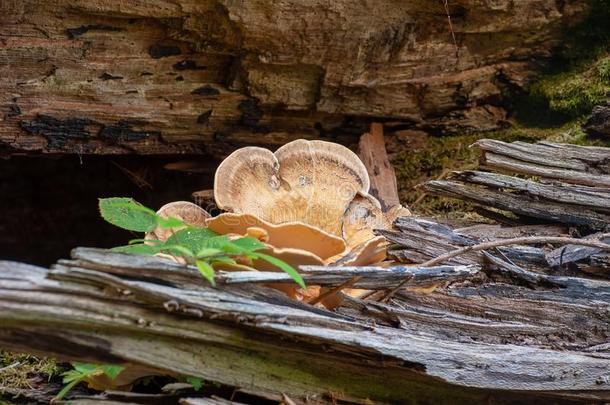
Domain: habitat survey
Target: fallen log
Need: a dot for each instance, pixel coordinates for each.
(463, 343)
(523, 205)
(565, 184)
(186, 77)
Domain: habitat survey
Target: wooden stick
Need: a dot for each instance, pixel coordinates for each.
(381, 173)
(334, 290)
(526, 240)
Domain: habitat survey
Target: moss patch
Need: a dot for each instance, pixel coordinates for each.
(437, 157)
(16, 370)
(574, 93)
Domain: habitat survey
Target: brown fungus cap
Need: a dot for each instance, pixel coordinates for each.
(294, 235)
(189, 213)
(303, 181)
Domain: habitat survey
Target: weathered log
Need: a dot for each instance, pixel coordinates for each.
(585, 159)
(466, 343)
(191, 76)
(587, 165)
(596, 198)
(521, 204)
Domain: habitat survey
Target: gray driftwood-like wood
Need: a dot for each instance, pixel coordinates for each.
(564, 184)
(595, 198)
(585, 159)
(520, 204)
(475, 341)
(418, 241)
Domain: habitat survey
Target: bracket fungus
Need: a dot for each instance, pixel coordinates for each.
(308, 202)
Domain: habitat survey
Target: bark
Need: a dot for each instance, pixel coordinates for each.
(373, 154)
(564, 184)
(598, 123)
(449, 346)
(207, 76)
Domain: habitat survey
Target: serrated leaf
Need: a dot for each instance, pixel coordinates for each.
(249, 244)
(206, 270)
(284, 266)
(194, 239)
(128, 214)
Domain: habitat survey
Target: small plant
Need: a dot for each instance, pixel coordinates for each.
(84, 371)
(201, 247)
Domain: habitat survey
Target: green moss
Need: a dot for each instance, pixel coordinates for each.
(439, 156)
(19, 368)
(574, 93)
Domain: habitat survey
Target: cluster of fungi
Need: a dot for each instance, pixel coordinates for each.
(309, 202)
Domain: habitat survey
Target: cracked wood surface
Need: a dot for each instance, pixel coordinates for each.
(208, 76)
(466, 342)
(555, 183)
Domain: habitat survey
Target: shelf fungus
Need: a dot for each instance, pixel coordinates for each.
(308, 202)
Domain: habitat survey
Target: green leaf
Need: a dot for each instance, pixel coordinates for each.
(139, 248)
(206, 270)
(192, 238)
(112, 370)
(85, 368)
(224, 260)
(66, 389)
(249, 244)
(177, 250)
(169, 222)
(128, 214)
(284, 266)
(196, 382)
(207, 252)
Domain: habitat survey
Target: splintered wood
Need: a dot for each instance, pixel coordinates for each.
(452, 343)
(542, 183)
(525, 322)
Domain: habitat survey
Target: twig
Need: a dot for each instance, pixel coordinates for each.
(393, 291)
(335, 290)
(15, 364)
(286, 400)
(457, 49)
(525, 240)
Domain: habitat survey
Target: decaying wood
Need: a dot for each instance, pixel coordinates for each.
(571, 184)
(583, 159)
(520, 204)
(596, 244)
(373, 154)
(451, 345)
(207, 76)
(597, 198)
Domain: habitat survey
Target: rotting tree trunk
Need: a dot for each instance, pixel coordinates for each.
(207, 76)
(493, 344)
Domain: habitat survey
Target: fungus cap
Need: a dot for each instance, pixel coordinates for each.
(304, 181)
(295, 235)
(189, 213)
